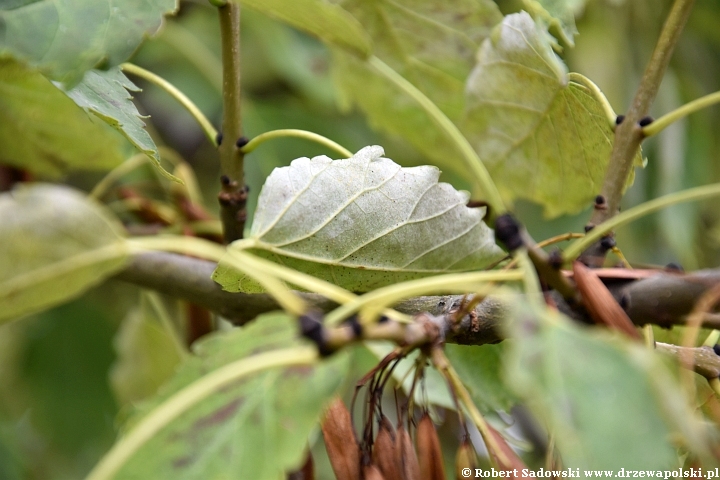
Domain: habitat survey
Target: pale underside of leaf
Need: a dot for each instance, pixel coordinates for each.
(105, 94)
(56, 244)
(330, 23)
(64, 38)
(365, 222)
(542, 137)
(43, 131)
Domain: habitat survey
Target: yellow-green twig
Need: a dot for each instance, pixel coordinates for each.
(669, 118)
(697, 193)
(207, 127)
(313, 137)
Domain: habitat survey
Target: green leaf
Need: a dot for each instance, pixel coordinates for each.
(64, 38)
(431, 44)
(364, 222)
(558, 14)
(479, 367)
(609, 403)
(541, 136)
(328, 22)
(255, 428)
(146, 355)
(105, 95)
(45, 132)
(56, 244)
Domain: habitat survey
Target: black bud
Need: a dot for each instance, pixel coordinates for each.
(589, 227)
(225, 180)
(625, 301)
(555, 259)
(674, 267)
(354, 323)
(645, 121)
(619, 119)
(218, 138)
(241, 142)
(311, 327)
(607, 243)
(507, 231)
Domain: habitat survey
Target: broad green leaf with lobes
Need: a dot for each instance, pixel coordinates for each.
(43, 131)
(430, 43)
(255, 428)
(541, 136)
(364, 222)
(56, 244)
(609, 403)
(105, 94)
(322, 19)
(64, 38)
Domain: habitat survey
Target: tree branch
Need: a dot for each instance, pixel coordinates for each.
(233, 195)
(663, 299)
(629, 135)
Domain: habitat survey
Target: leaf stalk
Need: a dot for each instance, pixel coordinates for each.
(313, 137)
(207, 127)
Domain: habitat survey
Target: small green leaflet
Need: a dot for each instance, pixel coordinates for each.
(105, 95)
(364, 222)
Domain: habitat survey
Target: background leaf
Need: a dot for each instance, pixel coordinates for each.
(64, 38)
(480, 368)
(258, 427)
(558, 14)
(542, 137)
(45, 132)
(365, 222)
(147, 355)
(610, 403)
(105, 95)
(430, 43)
(328, 22)
(56, 244)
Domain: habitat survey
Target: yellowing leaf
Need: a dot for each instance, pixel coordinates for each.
(541, 136)
(364, 222)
